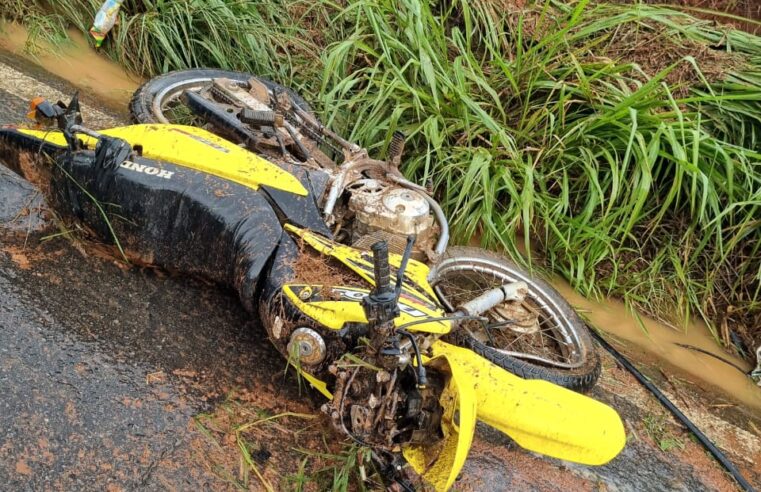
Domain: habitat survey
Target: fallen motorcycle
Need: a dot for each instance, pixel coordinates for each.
(368, 328)
(364, 200)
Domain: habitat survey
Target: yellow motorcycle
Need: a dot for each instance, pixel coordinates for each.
(379, 333)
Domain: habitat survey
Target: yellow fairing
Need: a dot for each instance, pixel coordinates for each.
(197, 149)
(417, 300)
(539, 415)
(440, 464)
(335, 314)
(361, 262)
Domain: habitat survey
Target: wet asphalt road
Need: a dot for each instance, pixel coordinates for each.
(103, 368)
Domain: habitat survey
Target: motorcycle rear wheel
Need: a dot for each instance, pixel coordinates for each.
(543, 338)
(150, 103)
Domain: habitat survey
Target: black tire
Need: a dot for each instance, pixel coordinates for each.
(142, 100)
(586, 369)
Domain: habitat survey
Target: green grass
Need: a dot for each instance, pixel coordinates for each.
(618, 145)
(237, 446)
(656, 427)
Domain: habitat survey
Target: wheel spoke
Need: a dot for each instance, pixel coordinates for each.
(548, 341)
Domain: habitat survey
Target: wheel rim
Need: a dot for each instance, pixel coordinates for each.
(167, 107)
(554, 342)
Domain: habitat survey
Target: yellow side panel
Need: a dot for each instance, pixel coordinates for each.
(539, 415)
(197, 149)
(335, 314)
(354, 259)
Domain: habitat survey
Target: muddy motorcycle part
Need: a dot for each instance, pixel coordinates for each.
(147, 102)
(538, 415)
(207, 222)
(541, 338)
(217, 117)
(292, 190)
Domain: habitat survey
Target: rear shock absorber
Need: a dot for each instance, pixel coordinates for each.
(396, 148)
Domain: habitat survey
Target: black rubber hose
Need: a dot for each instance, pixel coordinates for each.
(422, 379)
(711, 447)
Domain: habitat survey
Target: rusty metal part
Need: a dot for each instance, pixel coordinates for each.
(306, 344)
(396, 243)
(522, 318)
(258, 91)
(355, 164)
(325, 131)
(391, 209)
(377, 408)
(233, 93)
(354, 168)
(396, 149)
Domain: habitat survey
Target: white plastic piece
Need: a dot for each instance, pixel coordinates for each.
(105, 20)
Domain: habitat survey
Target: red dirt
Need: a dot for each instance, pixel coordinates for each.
(26, 257)
(750, 9)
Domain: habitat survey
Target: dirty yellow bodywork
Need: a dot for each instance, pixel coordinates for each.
(361, 262)
(416, 301)
(193, 148)
(538, 415)
(335, 314)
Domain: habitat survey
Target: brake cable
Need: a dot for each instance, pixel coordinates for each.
(422, 379)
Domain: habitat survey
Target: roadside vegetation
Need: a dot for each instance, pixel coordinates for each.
(618, 145)
(235, 444)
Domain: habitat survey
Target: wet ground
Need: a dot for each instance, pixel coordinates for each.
(106, 373)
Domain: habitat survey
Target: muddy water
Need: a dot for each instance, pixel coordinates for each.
(77, 63)
(659, 342)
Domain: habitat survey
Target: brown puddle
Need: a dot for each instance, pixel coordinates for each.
(77, 63)
(660, 342)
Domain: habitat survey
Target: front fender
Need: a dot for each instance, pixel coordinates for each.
(440, 463)
(538, 415)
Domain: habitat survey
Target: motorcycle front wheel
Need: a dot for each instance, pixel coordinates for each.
(540, 338)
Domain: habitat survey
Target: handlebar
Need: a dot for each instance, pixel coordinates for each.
(381, 267)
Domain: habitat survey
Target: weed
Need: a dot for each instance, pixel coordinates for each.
(350, 469)
(656, 427)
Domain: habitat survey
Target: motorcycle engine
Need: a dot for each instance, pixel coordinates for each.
(390, 213)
